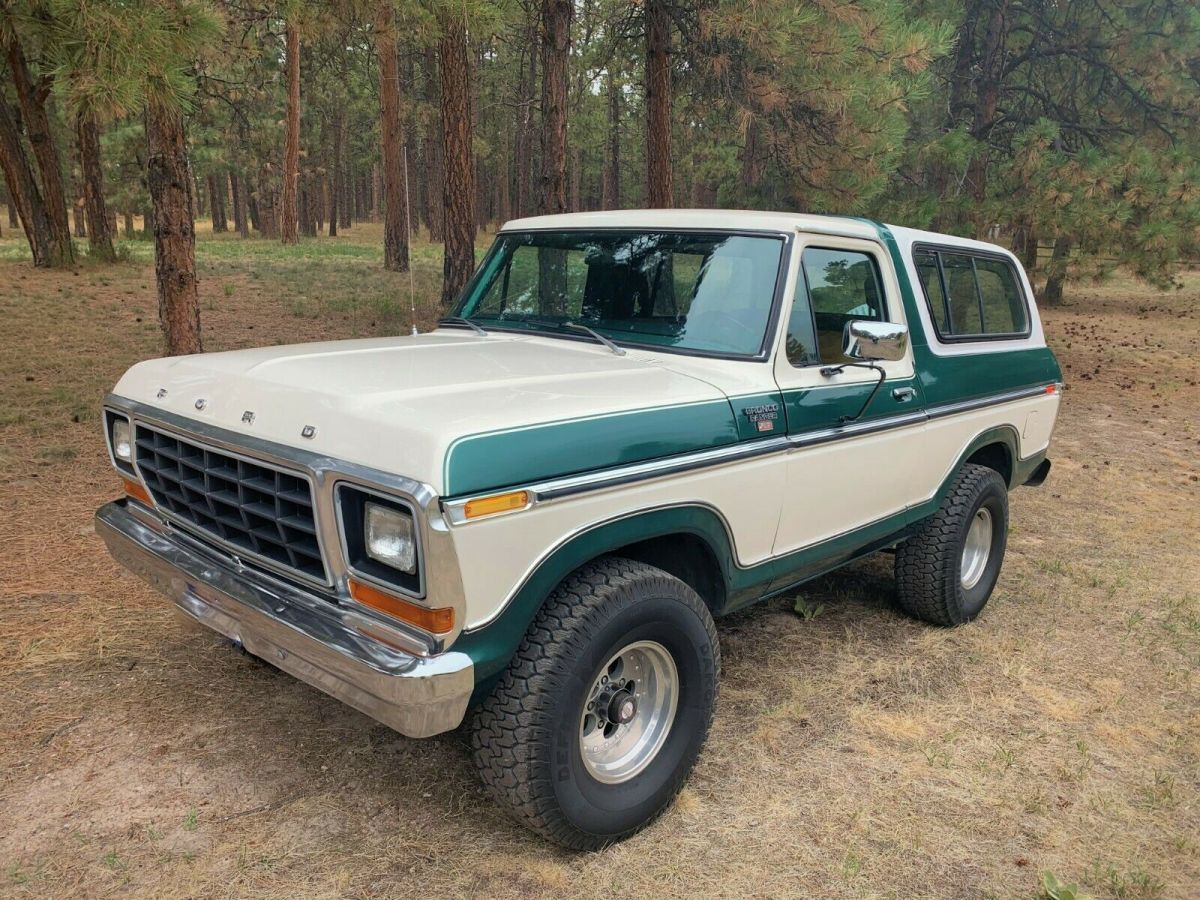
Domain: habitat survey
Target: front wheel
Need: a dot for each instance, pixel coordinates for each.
(597, 722)
(945, 573)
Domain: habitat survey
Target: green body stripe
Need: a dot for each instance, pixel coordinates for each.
(502, 459)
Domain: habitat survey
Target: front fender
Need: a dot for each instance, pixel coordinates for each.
(491, 646)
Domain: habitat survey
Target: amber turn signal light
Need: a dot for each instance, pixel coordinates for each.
(137, 492)
(486, 506)
(436, 621)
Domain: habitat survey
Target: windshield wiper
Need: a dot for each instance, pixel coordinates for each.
(459, 320)
(597, 335)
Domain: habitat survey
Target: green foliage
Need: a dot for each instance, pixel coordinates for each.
(1053, 889)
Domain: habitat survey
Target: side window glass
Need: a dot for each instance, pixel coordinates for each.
(801, 344)
(1003, 309)
(843, 285)
(931, 281)
(964, 300)
(971, 297)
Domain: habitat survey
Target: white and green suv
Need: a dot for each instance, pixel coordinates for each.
(633, 423)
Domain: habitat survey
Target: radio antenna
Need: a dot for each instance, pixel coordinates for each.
(412, 290)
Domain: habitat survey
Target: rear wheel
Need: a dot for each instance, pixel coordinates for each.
(598, 720)
(946, 572)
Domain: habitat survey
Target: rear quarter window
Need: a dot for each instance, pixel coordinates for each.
(972, 296)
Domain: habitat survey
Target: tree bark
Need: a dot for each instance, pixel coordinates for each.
(987, 98)
(335, 173)
(435, 197)
(23, 190)
(14, 221)
(308, 226)
(660, 189)
(610, 190)
(240, 223)
(1056, 272)
(128, 217)
(391, 130)
(346, 201)
(289, 213)
(32, 99)
(556, 46)
(523, 145)
(217, 187)
(458, 183)
(174, 230)
(100, 235)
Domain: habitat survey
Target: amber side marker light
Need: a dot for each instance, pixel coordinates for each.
(437, 621)
(486, 506)
(137, 492)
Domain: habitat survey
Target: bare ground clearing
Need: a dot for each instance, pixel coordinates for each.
(855, 753)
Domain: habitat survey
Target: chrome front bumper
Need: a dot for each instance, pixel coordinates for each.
(294, 630)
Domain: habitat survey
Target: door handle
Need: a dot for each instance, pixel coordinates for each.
(902, 394)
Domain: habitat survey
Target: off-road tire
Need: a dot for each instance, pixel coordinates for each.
(929, 564)
(525, 735)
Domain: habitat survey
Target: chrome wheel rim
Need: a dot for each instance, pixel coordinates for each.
(628, 712)
(977, 548)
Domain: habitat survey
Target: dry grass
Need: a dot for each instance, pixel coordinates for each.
(855, 753)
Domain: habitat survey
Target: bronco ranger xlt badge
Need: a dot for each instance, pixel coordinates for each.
(633, 423)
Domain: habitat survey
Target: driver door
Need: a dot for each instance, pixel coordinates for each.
(846, 472)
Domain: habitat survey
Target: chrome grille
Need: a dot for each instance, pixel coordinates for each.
(251, 508)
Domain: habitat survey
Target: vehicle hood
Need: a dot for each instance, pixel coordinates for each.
(458, 412)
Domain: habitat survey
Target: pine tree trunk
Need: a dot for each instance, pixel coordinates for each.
(660, 189)
(32, 99)
(610, 191)
(1056, 272)
(335, 173)
(13, 220)
(128, 223)
(435, 195)
(240, 225)
(289, 215)
(458, 183)
(174, 230)
(391, 131)
(987, 98)
(23, 190)
(523, 149)
(79, 217)
(99, 235)
(308, 226)
(576, 179)
(217, 188)
(346, 202)
(556, 45)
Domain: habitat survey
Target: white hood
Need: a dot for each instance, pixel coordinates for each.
(397, 404)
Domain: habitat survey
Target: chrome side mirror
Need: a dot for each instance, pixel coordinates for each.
(874, 341)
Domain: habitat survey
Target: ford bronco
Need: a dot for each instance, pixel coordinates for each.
(633, 423)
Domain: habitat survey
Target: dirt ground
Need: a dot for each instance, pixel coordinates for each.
(855, 752)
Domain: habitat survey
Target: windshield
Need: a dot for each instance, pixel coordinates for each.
(705, 293)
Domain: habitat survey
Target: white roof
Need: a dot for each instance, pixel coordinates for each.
(723, 219)
(740, 220)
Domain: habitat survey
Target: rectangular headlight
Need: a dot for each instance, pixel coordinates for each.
(122, 440)
(390, 537)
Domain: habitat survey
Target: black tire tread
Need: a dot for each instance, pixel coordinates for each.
(510, 727)
(925, 589)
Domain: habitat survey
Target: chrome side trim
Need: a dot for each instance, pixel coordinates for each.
(950, 409)
(441, 575)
